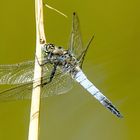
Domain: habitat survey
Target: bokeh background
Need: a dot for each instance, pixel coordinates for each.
(112, 64)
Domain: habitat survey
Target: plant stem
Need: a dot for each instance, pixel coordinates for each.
(36, 92)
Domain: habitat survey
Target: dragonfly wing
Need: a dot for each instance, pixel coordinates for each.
(19, 73)
(18, 92)
(75, 44)
(60, 84)
(16, 73)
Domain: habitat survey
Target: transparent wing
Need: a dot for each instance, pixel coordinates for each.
(18, 92)
(19, 73)
(75, 44)
(16, 73)
(60, 84)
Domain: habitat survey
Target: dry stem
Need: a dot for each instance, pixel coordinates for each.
(35, 103)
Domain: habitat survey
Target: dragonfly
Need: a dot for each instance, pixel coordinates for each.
(60, 68)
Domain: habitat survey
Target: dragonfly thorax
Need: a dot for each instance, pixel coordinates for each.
(53, 49)
(58, 55)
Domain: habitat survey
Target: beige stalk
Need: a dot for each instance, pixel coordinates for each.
(36, 92)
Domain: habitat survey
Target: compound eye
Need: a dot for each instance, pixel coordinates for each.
(51, 46)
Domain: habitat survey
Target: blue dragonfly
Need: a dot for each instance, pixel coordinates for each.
(60, 68)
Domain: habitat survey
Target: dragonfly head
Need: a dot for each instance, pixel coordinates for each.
(49, 47)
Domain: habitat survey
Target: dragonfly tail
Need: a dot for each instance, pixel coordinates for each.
(82, 80)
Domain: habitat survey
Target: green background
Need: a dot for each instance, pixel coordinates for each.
(112, 64)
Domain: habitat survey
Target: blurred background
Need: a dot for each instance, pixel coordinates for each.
(112, 64)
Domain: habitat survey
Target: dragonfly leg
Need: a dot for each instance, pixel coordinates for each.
(52, 74)
(41, 64)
